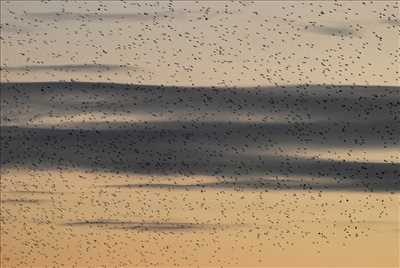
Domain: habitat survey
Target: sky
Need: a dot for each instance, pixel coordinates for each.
(205, 43)
(300, 171)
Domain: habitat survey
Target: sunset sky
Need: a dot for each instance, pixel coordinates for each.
(208, 133)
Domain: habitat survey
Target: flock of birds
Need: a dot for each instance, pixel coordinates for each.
(197, 43)
(177, 136)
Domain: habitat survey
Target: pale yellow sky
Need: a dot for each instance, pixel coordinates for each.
(202, 44)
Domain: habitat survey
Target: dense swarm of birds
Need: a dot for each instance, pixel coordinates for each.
(200, 43)
(158, 133)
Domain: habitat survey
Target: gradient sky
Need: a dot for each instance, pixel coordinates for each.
(201, 43)
(107, 174)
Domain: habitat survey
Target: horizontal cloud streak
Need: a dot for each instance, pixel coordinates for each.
(139, 225)
(23, 201)
(338, 31)
(69, 104)
(185, 141)
(70, 67)
(216, 150)
(68, 16)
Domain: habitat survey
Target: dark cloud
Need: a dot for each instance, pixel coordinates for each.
(32, 192)
(292, 103)
(69, 16)
(140, 225)
(70, 67)
(236, 152)
(273, 184)
(338, 31)
(23, 201)
(214, 150)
